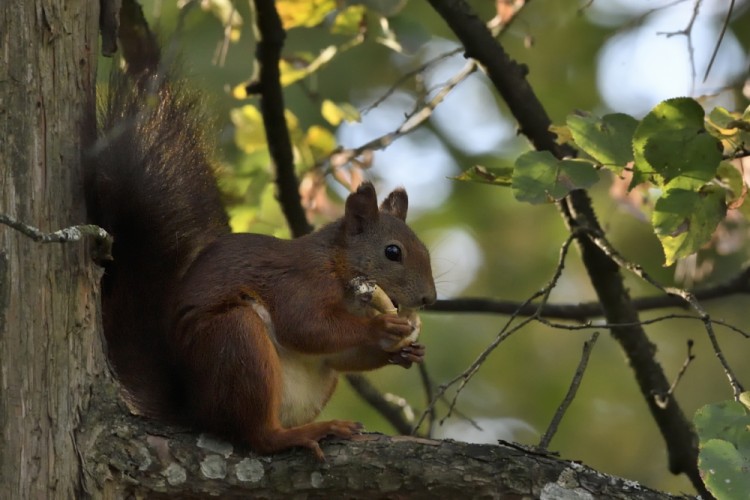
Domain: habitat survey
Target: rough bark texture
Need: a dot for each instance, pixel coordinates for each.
(129, 457)
(49, 350)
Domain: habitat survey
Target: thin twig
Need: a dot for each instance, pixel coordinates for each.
(599, 240)
(66, 235)
(687, 32)
(464, 377)
(718, 42)
(589, 325)
(588, 346)
(663, 399)
(412, 122)
(427, 385)
(408, 76)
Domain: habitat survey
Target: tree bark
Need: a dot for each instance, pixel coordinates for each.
(49, 347)
(129, 457)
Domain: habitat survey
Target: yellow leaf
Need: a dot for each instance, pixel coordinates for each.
(290, 74)
(240, 91)
(348, 21)
(320, 140)
(336, 113)
(295, 13)
(249, 134)
(292, 122)
(562, 132)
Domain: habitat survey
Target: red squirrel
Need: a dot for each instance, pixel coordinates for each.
(241, 335)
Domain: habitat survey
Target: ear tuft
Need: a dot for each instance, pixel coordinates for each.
(396, 204)
(361, 209)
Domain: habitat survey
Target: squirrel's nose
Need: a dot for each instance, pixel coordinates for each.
(429, 298)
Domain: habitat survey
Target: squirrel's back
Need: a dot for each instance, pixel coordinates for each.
(150, 183)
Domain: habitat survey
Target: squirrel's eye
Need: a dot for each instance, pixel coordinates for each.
(393, 252)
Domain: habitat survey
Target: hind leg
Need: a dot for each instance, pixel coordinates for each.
(235, 384)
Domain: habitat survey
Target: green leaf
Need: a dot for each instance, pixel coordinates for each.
(499, 176)
(660, 141)
(723, 121)
(682, 155)
(732, 128)
(684, 220)
(727, 420)
(539, 177)
(608, 140)
(724, 471)
(732, 181)
(724, 447)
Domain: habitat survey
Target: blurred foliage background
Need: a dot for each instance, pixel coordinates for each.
(600, 56)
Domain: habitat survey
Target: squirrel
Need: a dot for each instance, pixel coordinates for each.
(240, 335)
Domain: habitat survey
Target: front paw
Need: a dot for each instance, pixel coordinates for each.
(407, 355)
(391, 329)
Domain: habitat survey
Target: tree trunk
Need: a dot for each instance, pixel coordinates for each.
(49, 347)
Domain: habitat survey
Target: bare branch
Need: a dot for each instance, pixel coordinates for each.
(721, 38)
(463, 378)
(413, 120)
(588, 346)
(589, 326)
(392, 412)
(408, 76)
(429, 393)
(687, 32)
(598, 239)
(663, 399)
(66, 235)
(268, 53)
(739, 284)
(134, 457)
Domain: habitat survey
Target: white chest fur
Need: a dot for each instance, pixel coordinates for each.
(308, 384)
(308, 381)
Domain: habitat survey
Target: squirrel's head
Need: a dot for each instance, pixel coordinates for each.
(383, 248)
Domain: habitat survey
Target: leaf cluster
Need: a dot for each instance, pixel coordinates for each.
(679, 155)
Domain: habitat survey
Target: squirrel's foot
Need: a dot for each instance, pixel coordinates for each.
(306, 435)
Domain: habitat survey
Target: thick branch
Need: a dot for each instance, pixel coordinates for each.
(270, 42)
(392, 412)
(739, 284)
(126, 456)
(510, 80)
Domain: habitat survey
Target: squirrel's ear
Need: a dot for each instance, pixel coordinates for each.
(361, 208)
(396, 204)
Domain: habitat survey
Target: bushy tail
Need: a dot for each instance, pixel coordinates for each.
(150, 183)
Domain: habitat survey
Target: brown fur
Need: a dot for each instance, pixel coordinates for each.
(239, 334)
